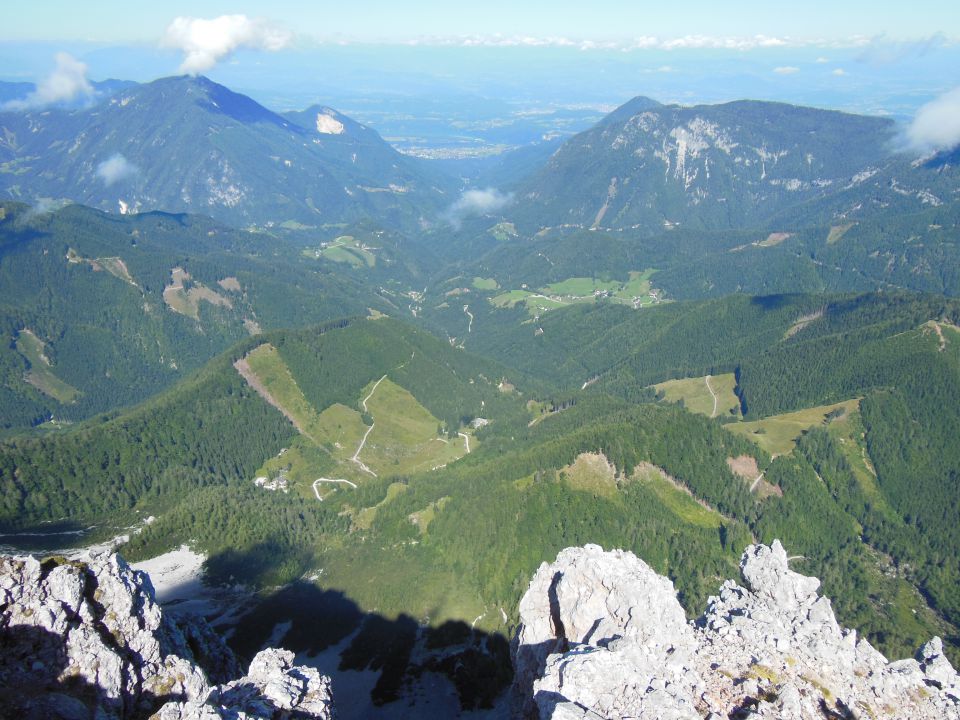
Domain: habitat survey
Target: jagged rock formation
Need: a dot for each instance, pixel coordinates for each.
(603, 635)
(272, 688)
(85, 638)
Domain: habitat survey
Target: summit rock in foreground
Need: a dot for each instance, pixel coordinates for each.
(85, 638)
(602, 635)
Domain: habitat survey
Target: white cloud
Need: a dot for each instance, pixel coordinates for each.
(643, 42)
(698, 42)
(67, 82)
(477, 202)
(207, 42)
(823, 60)
(786, 70)
(936, 126)
(115, 168)
(839, 72)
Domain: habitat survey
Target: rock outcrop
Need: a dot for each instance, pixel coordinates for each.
(85, 638)
(602, 635)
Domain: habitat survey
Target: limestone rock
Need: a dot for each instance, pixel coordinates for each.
(273, 688)
(602, 635)
(85, 638)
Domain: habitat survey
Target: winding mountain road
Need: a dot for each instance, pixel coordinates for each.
(356, 456)
(329, 480)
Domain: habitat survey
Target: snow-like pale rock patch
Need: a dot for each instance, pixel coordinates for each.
(175, 575)
(328, 125)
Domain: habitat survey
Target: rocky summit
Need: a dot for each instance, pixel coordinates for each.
(85, 638)
(602, 635)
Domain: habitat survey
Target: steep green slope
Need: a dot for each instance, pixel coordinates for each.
(896, 352)
(204, 431)
(124, 306)
(550, 469)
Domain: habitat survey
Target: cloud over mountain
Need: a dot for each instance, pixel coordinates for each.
(207, 42)
(66, 83)
(115, 169)
(477, 202)
(936, 126)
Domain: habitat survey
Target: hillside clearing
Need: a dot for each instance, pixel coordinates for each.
(591, 472)
(837, 232)
(778, 434)
(40, 373)
(675, 496)
(184, 295)
(711, 395)
(403, 438)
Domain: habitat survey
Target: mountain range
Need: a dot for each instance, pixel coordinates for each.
(352, 387)
(705, 167)
(188, 144)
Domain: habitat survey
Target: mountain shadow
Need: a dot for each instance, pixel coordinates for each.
(33, 685)
(312, 620)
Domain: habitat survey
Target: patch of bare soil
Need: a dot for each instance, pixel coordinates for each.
(802, 322)
(246, 372)
(744, 466)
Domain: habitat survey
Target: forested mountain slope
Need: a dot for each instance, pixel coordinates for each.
(455, 538)
(701, 167)
(101, 311)
(187, 144)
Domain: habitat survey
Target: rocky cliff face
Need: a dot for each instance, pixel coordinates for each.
(82, 639)
(603, 635)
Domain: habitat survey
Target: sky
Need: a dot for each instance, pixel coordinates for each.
(457, 60)
(598, 20)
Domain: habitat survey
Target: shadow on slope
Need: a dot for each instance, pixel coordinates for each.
(308, 620)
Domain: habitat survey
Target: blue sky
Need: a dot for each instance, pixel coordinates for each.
(873, 57)
(392, 21)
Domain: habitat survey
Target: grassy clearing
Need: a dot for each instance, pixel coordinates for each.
(345, 249)
(185, 299)
(675, 497)
(301, 464)
(591, 472)
(578, 287)
(113, 265)
(480, 283)
(509, 298)
(637, 288)
(336, 432)
(40, 374)
(637, 292)
(504, 231)
(697, 398)
(230, 284)
(778, 434)
(404, 438)
(774, 238)
(363, 520)
(344, 255)
(275, 376)
(837, 232)
(423, 518)
(850, 434)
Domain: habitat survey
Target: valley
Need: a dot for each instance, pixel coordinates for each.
(341, 382)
